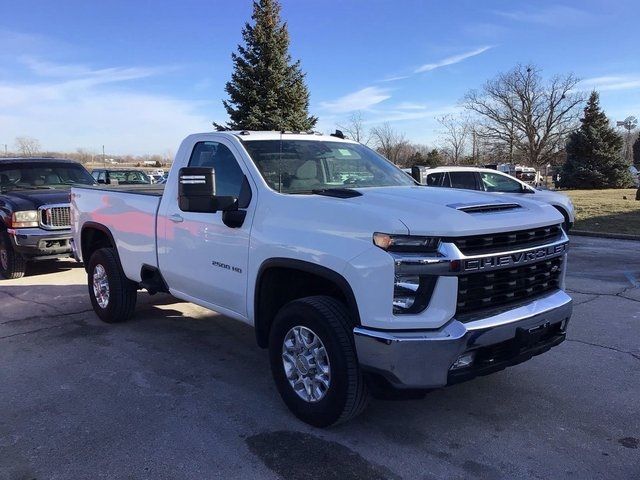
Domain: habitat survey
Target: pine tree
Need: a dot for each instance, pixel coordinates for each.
(594, 158)
(267, 91)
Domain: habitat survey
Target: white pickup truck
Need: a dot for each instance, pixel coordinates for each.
(355, 277)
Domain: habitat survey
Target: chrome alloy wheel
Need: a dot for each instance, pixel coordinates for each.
(101, 286)
(306, 364)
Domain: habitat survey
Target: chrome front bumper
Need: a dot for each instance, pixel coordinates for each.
(36, 242)
(423, 359)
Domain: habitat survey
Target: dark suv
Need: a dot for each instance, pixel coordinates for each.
(35, 219)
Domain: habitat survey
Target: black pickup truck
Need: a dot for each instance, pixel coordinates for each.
(35, 219)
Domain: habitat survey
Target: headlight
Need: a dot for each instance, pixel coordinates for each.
(406, 243)
(412, 293)
(27, 218)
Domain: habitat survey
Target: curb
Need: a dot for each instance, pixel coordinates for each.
(618, 236)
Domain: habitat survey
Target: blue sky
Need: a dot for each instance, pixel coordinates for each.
(139, 75)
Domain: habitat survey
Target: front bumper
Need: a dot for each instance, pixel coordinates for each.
(423, 359)
(37, 243)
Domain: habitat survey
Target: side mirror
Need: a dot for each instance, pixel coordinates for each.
(197, 192)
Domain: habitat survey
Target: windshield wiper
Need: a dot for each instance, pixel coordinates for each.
(337, 192)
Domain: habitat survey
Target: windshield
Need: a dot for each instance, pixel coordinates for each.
(301, 166)
(128, 177)
(28, 176)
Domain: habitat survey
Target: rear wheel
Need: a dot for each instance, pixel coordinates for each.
(12, 264)
(314, 363)
(113, 295)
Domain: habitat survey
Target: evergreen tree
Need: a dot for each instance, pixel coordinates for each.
(594, 158)
(636, 152)
(267, 91)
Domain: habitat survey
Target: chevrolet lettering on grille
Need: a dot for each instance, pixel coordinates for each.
(512, 259)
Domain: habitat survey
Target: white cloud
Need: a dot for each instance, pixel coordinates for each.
(610, 83)
(87, 75)
(411, 106)
(360, 100)
(74, 106)
(552, 16)
(427, 67)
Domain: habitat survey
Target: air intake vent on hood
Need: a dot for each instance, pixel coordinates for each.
(487, 208)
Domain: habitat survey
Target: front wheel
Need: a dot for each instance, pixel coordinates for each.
(12, 264)
(113, 295)
(314, 363)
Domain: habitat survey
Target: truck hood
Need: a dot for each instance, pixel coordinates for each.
(32, 199)
(453, 212)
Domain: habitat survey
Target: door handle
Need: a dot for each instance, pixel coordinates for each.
(176, 218)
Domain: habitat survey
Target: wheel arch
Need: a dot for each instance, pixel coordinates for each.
(301, 279)
(94, 236)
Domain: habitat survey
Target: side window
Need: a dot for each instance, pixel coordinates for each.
(435, 179)
(95, 174)
(494, 182)
(229, 176)
(102, 176)
(464, 180)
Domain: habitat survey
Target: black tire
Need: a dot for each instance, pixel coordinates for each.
(565, 225)
(12, 264)
(347, 393)
(122, 292)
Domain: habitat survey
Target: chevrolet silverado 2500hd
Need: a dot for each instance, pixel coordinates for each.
(351, 273)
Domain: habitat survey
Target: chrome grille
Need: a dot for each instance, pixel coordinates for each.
(503, 242)
(55, 217)
(487, 290)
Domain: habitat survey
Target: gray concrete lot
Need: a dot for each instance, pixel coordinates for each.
(180, 392)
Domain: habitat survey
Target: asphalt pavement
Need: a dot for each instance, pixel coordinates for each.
(183, 393)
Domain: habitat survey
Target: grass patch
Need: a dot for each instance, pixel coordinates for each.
(606, 211)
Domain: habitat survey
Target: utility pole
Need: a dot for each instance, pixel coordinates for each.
(104, 160)
(5, 150)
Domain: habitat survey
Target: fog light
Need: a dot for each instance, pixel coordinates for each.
(463, 361)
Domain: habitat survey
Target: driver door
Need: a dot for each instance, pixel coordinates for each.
(199, 255)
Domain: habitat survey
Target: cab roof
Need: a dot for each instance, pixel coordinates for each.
(36, 160)
(251, 135)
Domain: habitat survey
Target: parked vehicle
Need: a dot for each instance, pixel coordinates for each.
(354, 276)
(494, 181)
(121, 177)
(156, 178)
(34, 210)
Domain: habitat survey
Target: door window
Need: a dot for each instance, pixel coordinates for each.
(229, 176)
(494, 182)
(435, 179)
(466, 180)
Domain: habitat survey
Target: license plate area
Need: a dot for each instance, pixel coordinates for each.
(528, 337)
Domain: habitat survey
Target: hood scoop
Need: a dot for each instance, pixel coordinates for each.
(486, 207)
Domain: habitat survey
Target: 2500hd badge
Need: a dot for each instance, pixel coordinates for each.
(513, 259)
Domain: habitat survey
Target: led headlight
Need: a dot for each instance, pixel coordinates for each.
(406, 243)
(412, 293)
(24, 219)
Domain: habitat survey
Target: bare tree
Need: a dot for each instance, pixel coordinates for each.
(525, 113)
(390, 143)
(27, 146)
(355, 129)
(455, 133)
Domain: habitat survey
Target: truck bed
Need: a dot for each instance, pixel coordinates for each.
(154, 190)
(129, 212)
